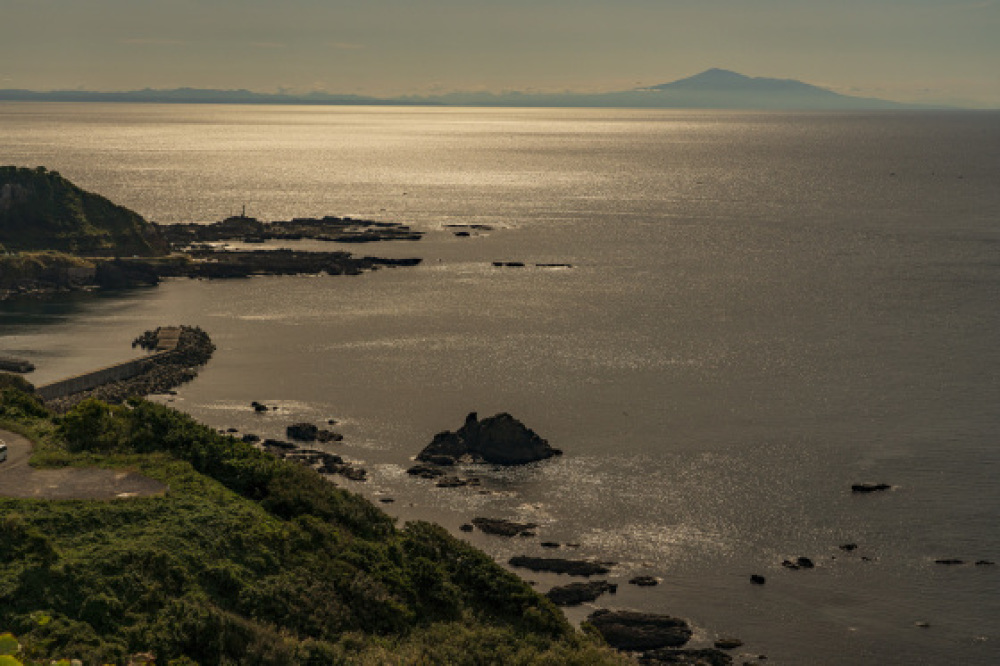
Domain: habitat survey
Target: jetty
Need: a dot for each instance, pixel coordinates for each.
(176, 352)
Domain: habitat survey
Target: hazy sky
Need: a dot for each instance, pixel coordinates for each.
(913, 50)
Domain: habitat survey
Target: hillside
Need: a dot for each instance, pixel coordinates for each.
(247, 559)
(41, 210)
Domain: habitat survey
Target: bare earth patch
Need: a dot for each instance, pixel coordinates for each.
(18, 479)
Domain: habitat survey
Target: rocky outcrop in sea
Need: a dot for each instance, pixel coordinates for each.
(500, 440)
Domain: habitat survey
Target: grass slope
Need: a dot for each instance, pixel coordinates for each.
(246, 560)
(41, 210)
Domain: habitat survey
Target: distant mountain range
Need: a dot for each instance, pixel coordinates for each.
(712, 89)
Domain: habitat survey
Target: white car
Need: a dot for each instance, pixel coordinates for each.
(3, 451)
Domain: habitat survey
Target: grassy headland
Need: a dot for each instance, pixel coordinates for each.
(247, 559)
(41, 210)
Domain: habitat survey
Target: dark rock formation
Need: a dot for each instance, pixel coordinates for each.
(466, 527)
(278, 444)
(985, 563)
(549, 544)
(444, 461)
(451, 482)
(500, 439)
(303, 432)
(323, 435)
(757, 579)
(575, 594)
(248, 229)
(949, 561)
(630, 630)
(644, 581)
(869, 487)
(560, 565)
(799, 563)
(258, 407)
(849, 547)
(425, 471)
(728, 643)
(501, 527)
(353, 473)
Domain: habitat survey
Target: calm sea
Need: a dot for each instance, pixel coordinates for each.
(762, 310)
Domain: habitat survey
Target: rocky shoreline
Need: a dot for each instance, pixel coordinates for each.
(192, 257)
(252, 230)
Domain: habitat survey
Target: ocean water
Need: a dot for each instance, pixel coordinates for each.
(762, 309)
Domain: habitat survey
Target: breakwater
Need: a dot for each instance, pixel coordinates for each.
(177, 353)
(95, 378)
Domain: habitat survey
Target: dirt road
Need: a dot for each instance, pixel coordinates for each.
(18, 479)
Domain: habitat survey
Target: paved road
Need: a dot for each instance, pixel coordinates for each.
(18, 479)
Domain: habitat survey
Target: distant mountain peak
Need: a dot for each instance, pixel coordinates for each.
(724, 80)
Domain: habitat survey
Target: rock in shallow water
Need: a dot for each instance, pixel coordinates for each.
(575, 594)
(501, 527)
(644, 581)
(304, 432)
(631, 630)
(869, 487)
(560, 565)
(500, 440)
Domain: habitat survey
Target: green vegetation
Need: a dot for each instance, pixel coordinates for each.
(10, 380)
(247, 559)
(46, 269)
(41, 210)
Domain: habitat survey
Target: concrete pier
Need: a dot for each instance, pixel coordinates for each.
(94, 378)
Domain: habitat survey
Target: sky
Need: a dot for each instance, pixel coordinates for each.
(941, 51)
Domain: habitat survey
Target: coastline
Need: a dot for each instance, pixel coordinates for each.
(656, 639)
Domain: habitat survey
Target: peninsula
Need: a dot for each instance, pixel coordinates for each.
(57, 237)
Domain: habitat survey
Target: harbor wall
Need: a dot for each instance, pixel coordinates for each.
(95, 378)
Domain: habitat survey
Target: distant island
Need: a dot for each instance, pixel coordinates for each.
(712, 89)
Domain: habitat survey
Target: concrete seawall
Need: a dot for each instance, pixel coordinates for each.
(94, 378)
